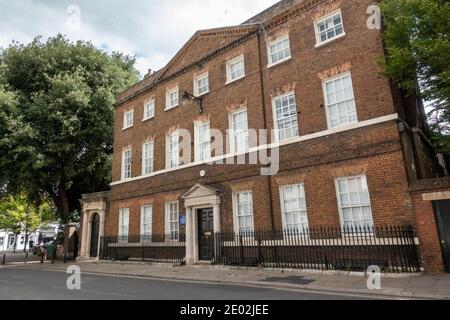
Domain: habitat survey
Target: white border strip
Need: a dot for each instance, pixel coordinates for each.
(267, 146)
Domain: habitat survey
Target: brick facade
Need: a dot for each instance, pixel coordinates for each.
(373, 147)
(315, 162)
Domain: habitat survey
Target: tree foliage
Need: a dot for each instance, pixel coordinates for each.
(56, 118)
(18, 214)
(417, 38)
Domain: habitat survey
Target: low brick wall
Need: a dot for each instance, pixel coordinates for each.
(425, 220)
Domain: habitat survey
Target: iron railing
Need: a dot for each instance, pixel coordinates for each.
(155, 248)
(391, 248)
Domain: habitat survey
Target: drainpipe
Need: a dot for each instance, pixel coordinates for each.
(261, 81)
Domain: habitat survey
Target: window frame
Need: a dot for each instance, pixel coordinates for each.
(123, 171)
(196, 87)
(236, 216)
(144, 158)
(169, 92)
(338, 195)
(327, 106)
(283, 208)
(121, 236)
(320, 43)
(269, 54)
(169, 152)
(125, 119)
(275, 120)
(228, 68)
(11, 240)
(169, 221)
(198, 144)
(146, 103)
(146, 236)
(232, 138)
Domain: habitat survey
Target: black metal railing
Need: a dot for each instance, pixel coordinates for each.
(156, 248)
(391, 248)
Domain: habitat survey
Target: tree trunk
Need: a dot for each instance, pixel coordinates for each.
(65, 202)
(15, 243)
(26, 241)
(61, 201)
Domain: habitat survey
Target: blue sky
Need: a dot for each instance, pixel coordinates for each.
(151, 30)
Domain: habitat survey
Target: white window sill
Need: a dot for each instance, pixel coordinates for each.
(278, 62)
(147, 119)
(277, 140)
(170, 108)
(239, 153)
(318, 45)
(308, 137)
(348, 124)
(202, 160)
(202, 94)
(126, 128)
(234, 80)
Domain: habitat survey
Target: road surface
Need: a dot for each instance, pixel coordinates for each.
(18, 283)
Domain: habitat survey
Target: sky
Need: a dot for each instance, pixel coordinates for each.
(151, 30)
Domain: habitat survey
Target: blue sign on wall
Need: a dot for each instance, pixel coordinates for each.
(182, 220)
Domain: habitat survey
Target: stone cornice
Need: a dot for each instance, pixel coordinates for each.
(290, 13)
(228, 31)
(161, 79)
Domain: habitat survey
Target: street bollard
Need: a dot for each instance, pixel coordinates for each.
(4, 259)
(65, 257)
(26, 257)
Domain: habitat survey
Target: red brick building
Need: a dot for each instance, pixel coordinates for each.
(349, 142)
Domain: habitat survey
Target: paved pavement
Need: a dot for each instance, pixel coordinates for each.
(422, 286)
(18, 257)
(17, 283)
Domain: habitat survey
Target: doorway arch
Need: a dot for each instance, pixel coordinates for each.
(95, 232)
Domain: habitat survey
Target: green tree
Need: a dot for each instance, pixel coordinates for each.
(56, 118)
(18, 214)
(417, 38)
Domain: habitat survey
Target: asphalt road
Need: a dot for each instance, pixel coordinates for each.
(35, 284)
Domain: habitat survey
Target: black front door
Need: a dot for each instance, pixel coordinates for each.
(206, 234)
(95, 226)
(442, 209)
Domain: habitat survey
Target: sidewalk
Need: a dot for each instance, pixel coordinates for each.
(422, 286)
(18, 257)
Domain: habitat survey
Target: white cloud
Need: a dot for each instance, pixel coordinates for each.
(152, 30)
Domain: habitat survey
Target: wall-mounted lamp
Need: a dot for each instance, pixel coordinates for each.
(188, 98)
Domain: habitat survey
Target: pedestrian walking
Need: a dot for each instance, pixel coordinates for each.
(42, 253)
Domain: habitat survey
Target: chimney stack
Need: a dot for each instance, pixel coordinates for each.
(149, 73)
